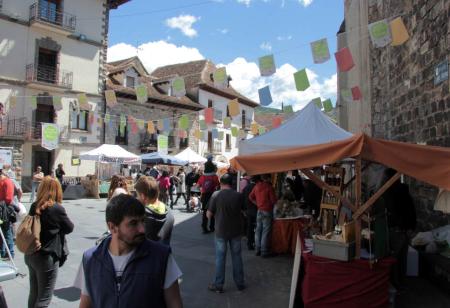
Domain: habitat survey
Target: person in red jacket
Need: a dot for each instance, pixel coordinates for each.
(208, 183)
(263, 195)
(6, 198)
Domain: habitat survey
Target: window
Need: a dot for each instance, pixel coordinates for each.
(50, 11)
(129, 83)
(243, 119)
(47, 66)
(79, 120)
(228, 111)
(184, 143)
(122, 138)
(210, 103)
(210, 142)
(228, 142)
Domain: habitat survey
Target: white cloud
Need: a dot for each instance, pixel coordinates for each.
(246, 2)
(266, 46)
(155, 54)
(183, 23)
(284, 38)
(223, 31)
(305, 3)
(247, 80)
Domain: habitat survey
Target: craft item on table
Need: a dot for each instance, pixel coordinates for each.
(399, 33)
(276, 122)
(209, 115)
(267, 65)
(57, 103)
(110, 97)
(301, 80)
(227, 122)
(33, 102)
(265, 98)
(320, 51)
(344, 59)
(356, 93)
(220, 78)
(183, 122)
(141, 93)
(233, 108)
(178, 87)
(318, 102)
(327, 105)
(380, 33)
(285, 208)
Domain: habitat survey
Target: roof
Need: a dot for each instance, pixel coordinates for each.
(154, 95)
(114, 4)
(198, 74)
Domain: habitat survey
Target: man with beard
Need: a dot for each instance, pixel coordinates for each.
(125, 269)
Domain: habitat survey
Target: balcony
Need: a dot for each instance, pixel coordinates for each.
(34, 132)
(47, 16)
(48, 75)
(14, 127)
(217, 147)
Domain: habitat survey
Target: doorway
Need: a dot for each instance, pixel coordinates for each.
(43, 158)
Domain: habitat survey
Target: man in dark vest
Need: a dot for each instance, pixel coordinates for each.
(125, 269)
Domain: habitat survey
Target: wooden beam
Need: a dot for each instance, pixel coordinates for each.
(354, 177)
(357, 204)
(377, 195)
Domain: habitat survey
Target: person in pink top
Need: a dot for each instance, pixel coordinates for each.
(164, 185)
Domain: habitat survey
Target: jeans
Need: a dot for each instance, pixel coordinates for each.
(263, 228)
(34, 187)
(43, 270)
(236, 259)
(8, 233)
(205, 199)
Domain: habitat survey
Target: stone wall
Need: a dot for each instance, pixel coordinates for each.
(17, 145)
(406, 103)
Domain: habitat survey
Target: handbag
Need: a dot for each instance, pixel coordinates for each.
(64, 250)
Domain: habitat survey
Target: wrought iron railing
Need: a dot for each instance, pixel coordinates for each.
(217, 147)
(43, 11)
(49, 74)
(14, 127)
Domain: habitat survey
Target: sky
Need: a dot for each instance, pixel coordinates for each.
(234, 34)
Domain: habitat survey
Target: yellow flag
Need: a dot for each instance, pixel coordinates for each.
(160, 125)
(399, 32)
(198, 134)
(254, 128)
(12, 102)
(150, 127)
(233, 107)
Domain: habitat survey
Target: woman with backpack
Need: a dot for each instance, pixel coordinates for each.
(208, 183)
(44, 263)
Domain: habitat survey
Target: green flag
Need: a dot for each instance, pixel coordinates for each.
(318, 102)
(288, 109)
(141, 93)
(267, 65)
(183, 122)
(327, 105)
(301, 80)
(234, 131)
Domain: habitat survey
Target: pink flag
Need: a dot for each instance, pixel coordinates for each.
(356, 93)
(344, 59)
(209, 115)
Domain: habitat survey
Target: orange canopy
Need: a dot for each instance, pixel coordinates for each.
(430, 164)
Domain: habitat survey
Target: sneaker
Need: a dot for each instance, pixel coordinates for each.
(214, 288)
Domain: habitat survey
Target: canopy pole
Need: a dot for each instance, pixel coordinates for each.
(238, 184)
(358, 204)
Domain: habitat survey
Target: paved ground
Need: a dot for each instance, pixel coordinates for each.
(268, 279)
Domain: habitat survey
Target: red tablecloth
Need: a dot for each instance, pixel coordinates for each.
(284, 234)
(330, 283)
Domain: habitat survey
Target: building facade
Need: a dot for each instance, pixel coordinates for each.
(198, 77)
(52, 49)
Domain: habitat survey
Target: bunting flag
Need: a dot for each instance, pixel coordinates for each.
(133, 125)
(215, 133)
(209, 115)
(166, 124)
(140, 123)
(160, 125)
(254, 128)
(110, 97)
(91, 118)
(198, 134)
(267, 65)
(320, 51)
(12, 102)
(220, 78)
(221, 135)
(202, 124)
(33, 102)
(57, 103)
(398, 31)
(141, 93)
(301, 80)
(163, 144)
(122, 124)
(50, 136)
(83, 102)
(356, 93)
(344, 59)
(346, 95)
(380, 33)
(265, 98)
(99, 120)
(183, 122)
(178, 87)
(227, 122)
(150, 127)
(233, 107)
(107, 118)
(261, 130)
(242, 134)
(234, 131)
(288, 109)
(276, 121)
(327, 105)
(318, 102)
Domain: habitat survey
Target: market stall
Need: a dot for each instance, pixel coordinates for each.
(190, 156)
(156, 158)
(106, 154)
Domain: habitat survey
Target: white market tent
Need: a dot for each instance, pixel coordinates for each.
(191, 156)
(111, 153)
(308, 127)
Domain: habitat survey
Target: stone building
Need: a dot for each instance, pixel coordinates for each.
(406, 90)
(52, 49)
(198, 78)
(123, 77)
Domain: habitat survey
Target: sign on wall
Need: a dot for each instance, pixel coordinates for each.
(6, 157)
(163, 144)
(50, 136)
